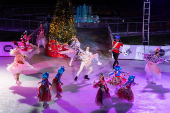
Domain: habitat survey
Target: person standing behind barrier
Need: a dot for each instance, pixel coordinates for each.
(115, 49)
(41, 36)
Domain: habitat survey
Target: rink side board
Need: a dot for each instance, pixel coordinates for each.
(136, 51)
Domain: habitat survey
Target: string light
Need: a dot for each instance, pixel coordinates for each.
(62, 27)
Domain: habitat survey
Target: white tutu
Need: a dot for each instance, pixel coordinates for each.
(41, 41)
(70, 52)
(15, 68)
(23, 52)
(32, 53)
(152, 69)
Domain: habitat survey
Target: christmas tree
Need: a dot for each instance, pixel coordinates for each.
(62, 26)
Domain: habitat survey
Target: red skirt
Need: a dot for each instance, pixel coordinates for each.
(44, 94)
(103, 98)
(117, 81)
(56, 87)
(125, 93)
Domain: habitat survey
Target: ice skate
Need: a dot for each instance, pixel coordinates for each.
(99, 63)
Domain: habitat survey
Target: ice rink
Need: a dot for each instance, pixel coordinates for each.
(79, 96)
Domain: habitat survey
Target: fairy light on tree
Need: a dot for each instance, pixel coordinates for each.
(62, 27)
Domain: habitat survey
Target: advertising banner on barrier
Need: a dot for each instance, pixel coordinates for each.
(5, 48)
(164, 51)
(136, 51)
(132, 52)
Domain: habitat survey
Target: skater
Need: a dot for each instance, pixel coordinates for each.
(87, 59)
(126, 92)
(44, 94)
(151, 67)
(115, 50)
(73, 49)
(56, 84)
(28, 49)
(41, 37)
(19, 65)
(26, 37)
(117, 79)
(103, 97)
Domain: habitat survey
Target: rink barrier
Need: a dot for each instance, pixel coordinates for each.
(136, 51)
(128, 51)
(5, 48)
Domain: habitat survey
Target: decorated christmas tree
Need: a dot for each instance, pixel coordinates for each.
(62, 26)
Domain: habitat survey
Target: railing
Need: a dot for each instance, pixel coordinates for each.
(136, 27)
(33, 34)
(18, 24)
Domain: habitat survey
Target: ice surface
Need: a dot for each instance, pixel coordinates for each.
(79, 96)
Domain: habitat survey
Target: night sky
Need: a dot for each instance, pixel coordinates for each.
(121, 3)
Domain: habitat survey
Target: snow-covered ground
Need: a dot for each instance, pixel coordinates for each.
(79, 96)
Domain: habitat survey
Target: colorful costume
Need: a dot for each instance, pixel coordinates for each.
(126, 92)
(151, 67)
(118, 79)
(56, 84)
(27, 48)
(26, 37)
(19, 65)
(115, 50)
(87, 59)
(103, 97)
(73, 50)
(44, 91)
(41, 37)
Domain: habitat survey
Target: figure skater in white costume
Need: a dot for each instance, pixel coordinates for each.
(87, 59)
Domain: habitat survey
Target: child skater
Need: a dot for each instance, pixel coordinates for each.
(151, 67)
(126, 92)
(56, 84)
(19, 65)
(44, 92)
(118, 77)
(103, 97)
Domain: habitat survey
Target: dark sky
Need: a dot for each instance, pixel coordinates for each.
(121, 3)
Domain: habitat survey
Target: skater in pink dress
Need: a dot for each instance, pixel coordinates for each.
(151, 67)
(19, 65)
(27, 48)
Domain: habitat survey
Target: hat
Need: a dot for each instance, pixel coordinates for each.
(40, 23)
(117, 37)
(25, 32)
(22, 38)
(102, 75)
(131, 77)
(61, 70)
(15, 43)
(157, 49)
(117, 67)
(45, 75)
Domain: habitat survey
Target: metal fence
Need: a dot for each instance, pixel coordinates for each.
(33, 33)
(7, 24)
(136, 27)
